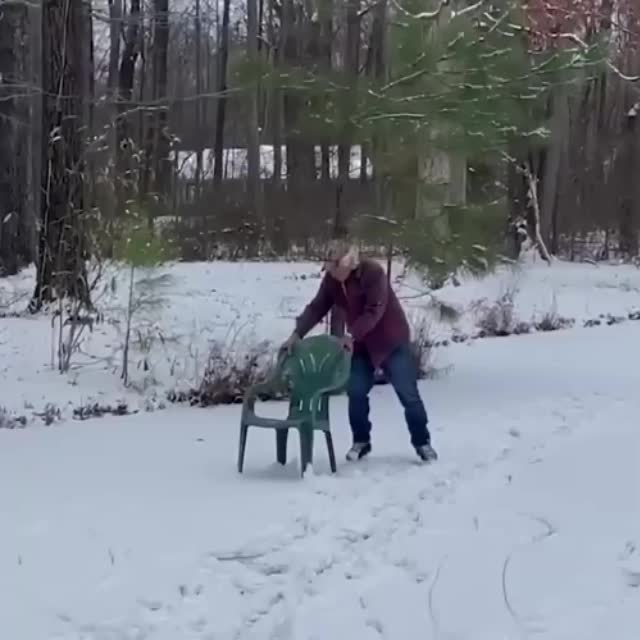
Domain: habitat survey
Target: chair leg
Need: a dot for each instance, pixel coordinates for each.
(306, 449)
(244, 430)
(332, 453)
(281, 445)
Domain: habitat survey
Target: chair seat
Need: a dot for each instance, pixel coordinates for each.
(273, 423)
(283, 423)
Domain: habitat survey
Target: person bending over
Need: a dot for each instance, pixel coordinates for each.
(378, 337)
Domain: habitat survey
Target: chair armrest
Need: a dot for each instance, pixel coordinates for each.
(251, 395)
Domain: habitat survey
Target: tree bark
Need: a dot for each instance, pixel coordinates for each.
(16, 248)
(223, 58)
(88, 116)
(276, 98)
(326, 49)
(199, 127)
(351, 66)
(157, 170)
(125, 144)
(115, 27)
(629, 198)
(554, 153)
(61, 250)
(253, 134)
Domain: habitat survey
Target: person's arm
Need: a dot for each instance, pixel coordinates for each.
(316, 310)
(376, 290)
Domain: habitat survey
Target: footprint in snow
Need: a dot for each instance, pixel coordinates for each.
(632, 578)
(151, 605)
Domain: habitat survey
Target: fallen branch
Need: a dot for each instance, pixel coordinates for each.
(532, 184)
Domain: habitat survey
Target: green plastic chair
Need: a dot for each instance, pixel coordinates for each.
(317, 368)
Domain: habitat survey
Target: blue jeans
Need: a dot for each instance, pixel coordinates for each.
(401, 370)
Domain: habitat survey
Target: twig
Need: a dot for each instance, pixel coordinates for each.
(505, 594)
(550, 529)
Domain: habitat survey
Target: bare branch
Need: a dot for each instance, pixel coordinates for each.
(581, 43)
(423, 15)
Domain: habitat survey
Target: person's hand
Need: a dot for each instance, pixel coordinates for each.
(347, 343)
(289, 344)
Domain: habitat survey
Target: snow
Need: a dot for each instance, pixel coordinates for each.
(235, 162)
(193, 307)
(139, 527)
(571, 290)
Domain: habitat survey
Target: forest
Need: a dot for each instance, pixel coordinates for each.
(449, 132)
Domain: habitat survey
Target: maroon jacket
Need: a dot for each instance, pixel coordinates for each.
(375, 318)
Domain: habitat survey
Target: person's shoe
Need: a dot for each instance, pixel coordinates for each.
(427, 453)
(358, 451)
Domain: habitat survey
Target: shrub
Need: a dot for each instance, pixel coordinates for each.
(422, 345)
(497, 319)
(227, 377)
(9, 420)
(551, 321)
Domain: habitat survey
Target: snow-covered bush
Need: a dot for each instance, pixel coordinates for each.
(9, 420)
(228, 375)
(97, 410)
(551, 320)
(422, 344)
(497, 318)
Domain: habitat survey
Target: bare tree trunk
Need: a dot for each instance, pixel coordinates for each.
(88, 116)
(291, 108)
(338, 317)
(115, 27)
(275, 218)
(381, 173)
(61, 252)
(326, 48)
(33, 72)
(553, 164)
(629, 200)
(199, 127)
(351, 67)
(208, 67)
(289, 56)
(143, 90)
(253, 136)
(125, 143)
(532, 183)
(158, 140)
(223, 58)
(15, 246)
(276, 99)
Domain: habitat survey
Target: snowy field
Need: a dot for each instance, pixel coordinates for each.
(139, 528)
(185, 310)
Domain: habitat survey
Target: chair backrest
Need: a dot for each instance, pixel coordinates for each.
(317, 362)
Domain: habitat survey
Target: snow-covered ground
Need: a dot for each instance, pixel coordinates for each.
(184, 309)
(140, 528)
